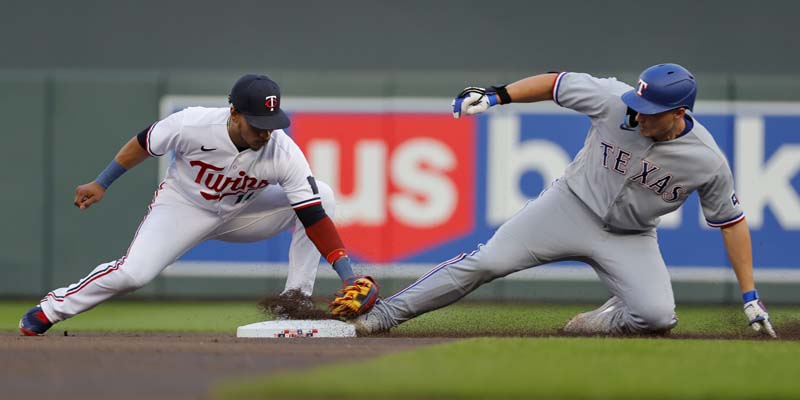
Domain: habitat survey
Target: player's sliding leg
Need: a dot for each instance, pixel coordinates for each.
(602, 320)
(447, 283)
(643, 302)
(545, 230)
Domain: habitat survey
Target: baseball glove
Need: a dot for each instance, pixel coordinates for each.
(357, 296)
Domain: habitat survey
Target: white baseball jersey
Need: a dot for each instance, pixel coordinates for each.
(212, 191)
(214, 175)
(629, 180)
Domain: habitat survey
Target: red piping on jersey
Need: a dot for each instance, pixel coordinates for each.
(314, 203)
(554, 89)
(732, 223)
(148, 141)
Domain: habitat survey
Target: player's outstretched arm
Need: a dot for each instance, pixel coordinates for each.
(532, 89)
(475, 100)
(738, 246)
(358, 293)
(129, 156)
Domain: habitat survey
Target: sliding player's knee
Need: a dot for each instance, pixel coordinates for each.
(655, 319)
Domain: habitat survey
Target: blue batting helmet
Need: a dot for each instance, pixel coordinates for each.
(661, 88)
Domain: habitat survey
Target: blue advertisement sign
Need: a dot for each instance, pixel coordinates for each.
(506, 157)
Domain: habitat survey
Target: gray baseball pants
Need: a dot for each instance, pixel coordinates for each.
(556, 226)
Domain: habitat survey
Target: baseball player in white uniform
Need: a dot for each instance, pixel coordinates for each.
(643, 156)
(236, 176)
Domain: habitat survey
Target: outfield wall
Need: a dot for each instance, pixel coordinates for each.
(66, 125)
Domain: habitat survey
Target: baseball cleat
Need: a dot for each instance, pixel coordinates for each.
(371, 322)
(366, 324)
(578, 324)
(591, 322)
(34, 322)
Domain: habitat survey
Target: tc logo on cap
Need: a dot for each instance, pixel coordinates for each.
(271, 103)
(258, 98)
(642, 87)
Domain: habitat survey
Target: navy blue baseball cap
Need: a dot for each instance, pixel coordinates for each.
(258, 98)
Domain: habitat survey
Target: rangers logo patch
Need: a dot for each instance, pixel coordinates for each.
(734, 200)
(642, 86)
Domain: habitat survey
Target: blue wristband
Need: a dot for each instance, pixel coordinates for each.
(493, 99)
(343, 268)
(113, 171)
(750, 296)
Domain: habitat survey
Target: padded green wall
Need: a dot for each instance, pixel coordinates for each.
(26, 187)
(94, 114)
(63, 127)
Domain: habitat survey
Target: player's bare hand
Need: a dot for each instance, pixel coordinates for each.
(88, 194)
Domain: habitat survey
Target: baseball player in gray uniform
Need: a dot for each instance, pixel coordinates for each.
(644, 155)
(236, 177)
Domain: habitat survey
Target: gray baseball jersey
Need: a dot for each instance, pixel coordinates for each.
(603, 212)
(629, 180)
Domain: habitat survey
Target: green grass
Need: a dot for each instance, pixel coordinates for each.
(549, 368)
(134, 316)
(459, 319)
(521, 319)
(541, 367)
(555, 368)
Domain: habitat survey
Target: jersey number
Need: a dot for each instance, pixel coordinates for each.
(244, 197)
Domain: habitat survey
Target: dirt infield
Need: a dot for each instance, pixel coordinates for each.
(162, 366)
(171, 366)
(788, 331)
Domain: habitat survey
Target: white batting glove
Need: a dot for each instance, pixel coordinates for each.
(473, 100)
(757, 314)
